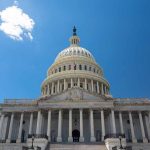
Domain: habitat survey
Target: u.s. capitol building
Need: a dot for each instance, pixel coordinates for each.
(75, 111)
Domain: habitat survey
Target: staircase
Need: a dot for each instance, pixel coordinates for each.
(76, 146)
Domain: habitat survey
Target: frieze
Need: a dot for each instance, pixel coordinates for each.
(78, 104)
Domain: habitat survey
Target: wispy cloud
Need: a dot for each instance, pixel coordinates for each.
(15, 23)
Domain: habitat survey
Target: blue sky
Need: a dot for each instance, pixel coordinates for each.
(116, 32)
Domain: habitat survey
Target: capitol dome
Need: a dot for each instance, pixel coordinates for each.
(76, 67)
(75, 51)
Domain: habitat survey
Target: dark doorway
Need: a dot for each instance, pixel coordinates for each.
(75, 135)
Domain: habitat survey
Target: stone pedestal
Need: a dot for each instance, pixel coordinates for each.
(18, 141)
(40, 142)
(134, 140)
(8, 141)
(145, 140)
(92, 139)
(70, 139)
(59, 139)
(81, 139)
(112, 142)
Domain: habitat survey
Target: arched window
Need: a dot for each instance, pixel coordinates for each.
(80, 67)
(93, 69)
(90, 68)
(59, 69)
(75, 67)
(81, 85)
(64, 68)
(69, 85)
(69, 67)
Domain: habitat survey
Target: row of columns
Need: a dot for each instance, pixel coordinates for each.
(53, 88)
(59, 136)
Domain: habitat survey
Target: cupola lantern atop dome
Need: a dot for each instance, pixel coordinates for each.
(74, 40)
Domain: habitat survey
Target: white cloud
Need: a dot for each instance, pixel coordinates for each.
(15, 23)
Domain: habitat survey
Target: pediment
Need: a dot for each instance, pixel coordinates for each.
(75, 94)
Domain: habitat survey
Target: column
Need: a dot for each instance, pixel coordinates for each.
(20, 128)
(48, 89)
(105, 89)
(113, 121)
(65, 84)
(10, 128)
(92, 86)
(1, 125)
(45, 90)
(59, 138)
(81, 126)
(134, 140)
(121, 123)
(58, 86)
(97, 87)
(149, 117)
(55, 85)
(30, 124)
(70, 139)
(142, 128)
(1, 122)
(52, 88)
(38, 122)
(49, 126)
(78, 82)
(71, 82)
(103, 124)
(102, 89)
(147, 126)
(85, 84)
(92, 139)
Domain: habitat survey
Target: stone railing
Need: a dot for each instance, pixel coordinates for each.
(114, 135)
(18, 101)
(38, 136)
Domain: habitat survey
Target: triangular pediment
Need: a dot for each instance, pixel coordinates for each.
(75, 94)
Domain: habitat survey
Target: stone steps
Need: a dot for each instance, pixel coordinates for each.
(77, 147)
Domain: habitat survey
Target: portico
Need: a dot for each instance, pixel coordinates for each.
(68, 120)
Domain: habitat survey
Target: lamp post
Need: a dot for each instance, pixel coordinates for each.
(32, 142)
(121, 147)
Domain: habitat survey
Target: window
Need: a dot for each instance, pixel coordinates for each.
(94, 69)
(69, 85)
(59, 69)
(89, 68)
(81, 85)
(64, 68)
(87, 87)
(55, 70)
(75, 84)
(69, 67)
(80, 67)
(75, 67)
(85, 67)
